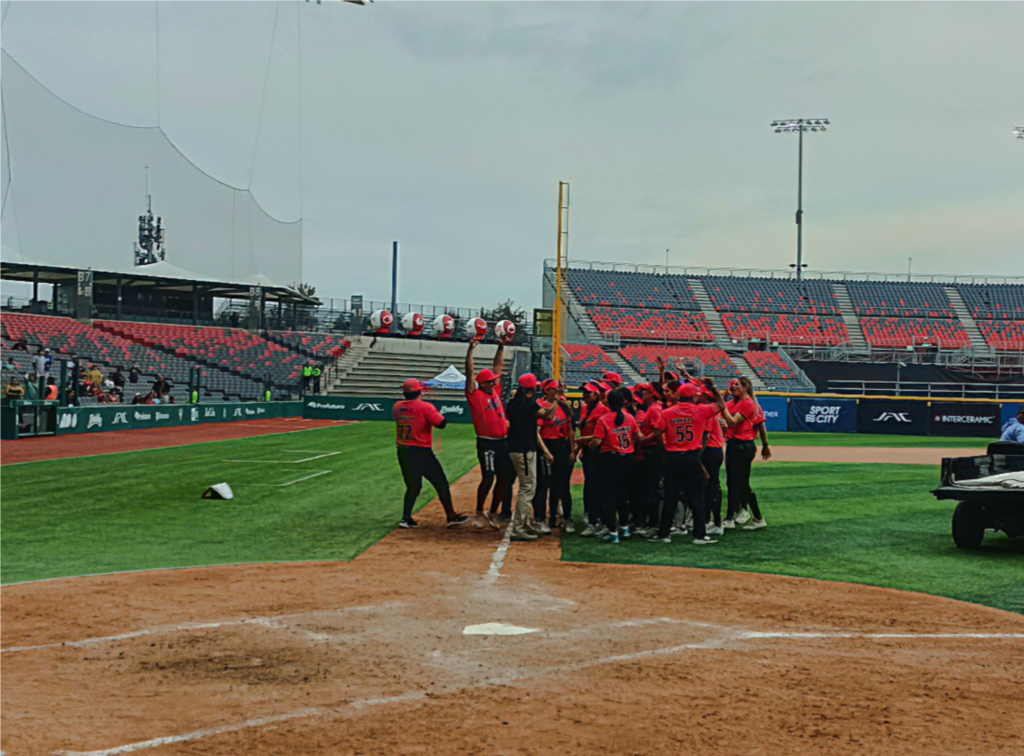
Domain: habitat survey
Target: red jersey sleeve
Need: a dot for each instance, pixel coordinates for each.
(434, 417)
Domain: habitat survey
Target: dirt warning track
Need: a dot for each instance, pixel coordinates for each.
(371, 657)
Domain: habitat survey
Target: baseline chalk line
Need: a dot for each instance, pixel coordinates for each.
(498, 560)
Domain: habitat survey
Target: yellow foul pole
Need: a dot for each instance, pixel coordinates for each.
(557, 315)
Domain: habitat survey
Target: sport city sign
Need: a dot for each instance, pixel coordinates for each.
(373, 408)
(823, 415)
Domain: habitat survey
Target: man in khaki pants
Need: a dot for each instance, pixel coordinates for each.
(524, 441)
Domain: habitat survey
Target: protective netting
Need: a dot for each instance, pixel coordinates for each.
(74, 185)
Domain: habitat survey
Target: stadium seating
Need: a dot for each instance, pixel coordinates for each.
(996, 301)
(786, 329)
(607, 288)
(65, 336)
(644, 359)
(773, 370)
(899, 300)
(636, 323)
(586, 362)
(778, 295)
(906, 332)
(1003, 334)
(231, 349)
(319, 345)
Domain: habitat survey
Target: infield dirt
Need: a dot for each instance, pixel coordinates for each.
(369, 657)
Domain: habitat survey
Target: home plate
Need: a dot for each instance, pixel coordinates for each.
(498, 628)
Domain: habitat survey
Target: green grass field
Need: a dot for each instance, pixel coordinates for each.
(143, 509)
(872, 524)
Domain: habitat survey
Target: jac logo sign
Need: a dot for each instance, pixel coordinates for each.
(368, 407)
(894, 417)
(120, 418)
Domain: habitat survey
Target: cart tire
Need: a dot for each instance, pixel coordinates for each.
(968, 527)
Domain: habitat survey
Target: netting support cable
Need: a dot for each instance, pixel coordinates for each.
(298, 60)
(263, 97)
(156, 29)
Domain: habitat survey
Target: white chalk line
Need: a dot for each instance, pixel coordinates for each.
(712, 643)
(281, 461)
(269, 621)
(290, 482)
(498, 560)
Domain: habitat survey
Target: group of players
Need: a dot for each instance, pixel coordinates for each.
(652, 455)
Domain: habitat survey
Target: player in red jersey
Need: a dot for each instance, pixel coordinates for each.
(683, 427)
(651, 461)
(616, 435)
(593, 409)
(415, 421)
(491, 425)
(554, 479)
(740, 451)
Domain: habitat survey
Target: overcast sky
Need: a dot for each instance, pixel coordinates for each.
(447, 126)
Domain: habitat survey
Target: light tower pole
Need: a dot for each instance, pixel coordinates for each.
(800, 125)
(1019, 132)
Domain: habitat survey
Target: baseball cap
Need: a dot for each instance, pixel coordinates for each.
(551, 383)
(486, 375)
(528, 381)
(612, 377)
(411, 384)
(592, 387)
(605, 388)
(670, 376)
(688, 391)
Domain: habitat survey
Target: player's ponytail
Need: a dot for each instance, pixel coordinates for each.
(616, 401)
(747, 386)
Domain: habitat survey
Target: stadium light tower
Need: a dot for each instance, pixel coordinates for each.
(800, 126)
(1019, 132)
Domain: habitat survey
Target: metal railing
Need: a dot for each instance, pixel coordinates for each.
(945, 391)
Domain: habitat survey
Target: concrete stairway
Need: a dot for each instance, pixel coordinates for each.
(710, 313)
(744, 369)
(627, 371)
(970, 324)
(382, 369)
(857, 341)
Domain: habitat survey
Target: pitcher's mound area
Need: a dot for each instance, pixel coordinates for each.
(372, 657)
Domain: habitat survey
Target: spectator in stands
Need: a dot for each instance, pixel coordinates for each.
(133, 373)
(1013, 430)
(166, 397)
(117, 378)
(52, 392)
(32, 385)
(14, 389)
(20, 345)
(39, 363)
(138, 399)
(9, 366)
(95, 376)
(160, 386)
(318, 370)
(151, 398)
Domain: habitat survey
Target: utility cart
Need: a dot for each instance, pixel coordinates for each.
(989, 491)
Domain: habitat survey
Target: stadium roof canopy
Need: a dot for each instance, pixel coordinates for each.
(161, 276)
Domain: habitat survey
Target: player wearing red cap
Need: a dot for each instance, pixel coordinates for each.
(593, 409)
(484, 397)
(616, 435)
(683, 427)
(612, 378)
(650, 462)
(415, 421)
(554, 479)
(524, 442)
(740, 451)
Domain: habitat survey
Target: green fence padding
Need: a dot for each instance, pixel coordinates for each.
(113, 417)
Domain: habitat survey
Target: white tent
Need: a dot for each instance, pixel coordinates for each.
(451, 378)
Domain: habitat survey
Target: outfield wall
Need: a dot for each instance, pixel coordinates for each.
(114, 417)
(814, 414)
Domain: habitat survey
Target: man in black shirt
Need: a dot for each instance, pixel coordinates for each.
(524, 440)
(118, 379)
(133, 373)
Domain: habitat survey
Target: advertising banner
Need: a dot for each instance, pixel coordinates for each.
(823, 415)
(776, 412)
(113, 417)
(893, 416)
(1009, 411)
(372, 408)
(964, 419)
